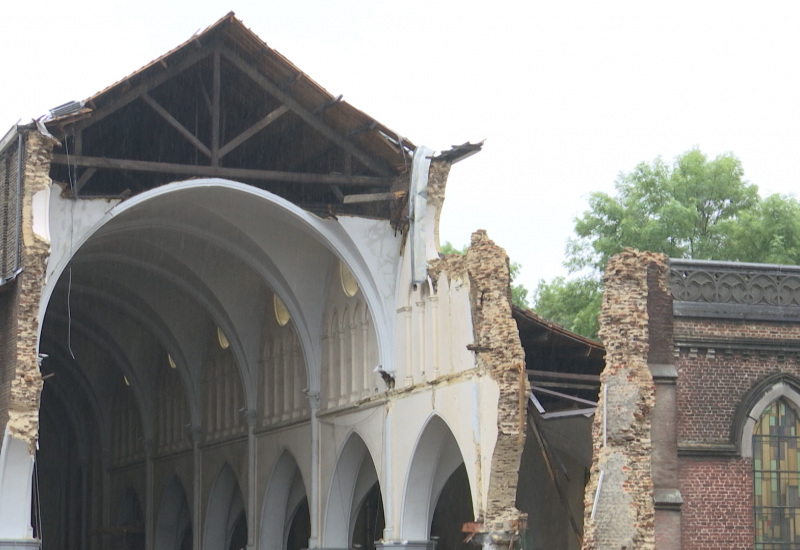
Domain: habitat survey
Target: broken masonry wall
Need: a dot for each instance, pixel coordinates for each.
(22, 383)
(624, 513)
(498, 353)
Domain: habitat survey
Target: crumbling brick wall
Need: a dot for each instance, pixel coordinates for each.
(624, 517)
(22, 383)
(499, 353)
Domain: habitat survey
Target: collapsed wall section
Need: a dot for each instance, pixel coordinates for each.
(620, 514)
(22, 381)
(499, 354)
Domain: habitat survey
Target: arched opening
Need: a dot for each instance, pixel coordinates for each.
(138, 296)
(776, 477)
(226, 522)
(453, 509)
(174, 524)
(437, 475)
(128, 533)
(285, 520)
(354, 499)
(299, 528)
(369, 520)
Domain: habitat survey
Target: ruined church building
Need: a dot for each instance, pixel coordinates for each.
(225, 323)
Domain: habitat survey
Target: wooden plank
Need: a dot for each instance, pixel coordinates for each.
(220, 172)
(373, 197)
(216, 95)
(564, 396)
(172, 121)
(565, 375)
(253, 130)
(573, 412)
(308, 116)
(85, 177)
(149, 84)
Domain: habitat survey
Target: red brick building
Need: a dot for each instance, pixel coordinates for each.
(701, 407)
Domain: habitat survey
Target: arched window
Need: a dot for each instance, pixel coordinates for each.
(776, 475)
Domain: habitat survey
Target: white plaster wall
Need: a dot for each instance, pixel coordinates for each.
(69, 221)
(432, 328)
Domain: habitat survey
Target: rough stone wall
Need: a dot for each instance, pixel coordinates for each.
(624, 516)
(24, 378)
(499, 353)
(717, 509)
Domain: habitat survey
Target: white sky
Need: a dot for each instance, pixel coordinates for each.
(566, 93)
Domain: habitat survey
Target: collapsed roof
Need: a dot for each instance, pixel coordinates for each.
(225, 104)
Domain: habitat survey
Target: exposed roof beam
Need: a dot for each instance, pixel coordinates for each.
(307, 115)
(219, 171)
(172, 121)
(149, 84)
(216, 111)
(85, 177)
(253, 130)
(373, 197)
(564, 375)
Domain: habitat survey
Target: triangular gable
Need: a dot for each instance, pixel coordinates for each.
(224, 104)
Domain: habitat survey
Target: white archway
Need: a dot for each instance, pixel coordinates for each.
(354, 477)
(436, 457)
(782, 388)
(174, 521)
(225, 506)
(285, 492)
(259, 205)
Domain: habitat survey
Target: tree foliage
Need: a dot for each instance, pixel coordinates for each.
(694, 208)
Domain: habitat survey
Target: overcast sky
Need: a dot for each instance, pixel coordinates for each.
(566, 94)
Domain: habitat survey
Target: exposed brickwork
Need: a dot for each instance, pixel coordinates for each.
(659, 313)
(25, 380)
(625, 512)
(718, 504)
(499, 353)
(710, 388)
(734, 330)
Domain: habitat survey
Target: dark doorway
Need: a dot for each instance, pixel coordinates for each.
(369, 522)
(453, 509)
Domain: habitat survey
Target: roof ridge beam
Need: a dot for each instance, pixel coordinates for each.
(306, 114)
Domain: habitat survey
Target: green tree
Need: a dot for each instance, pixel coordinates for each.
(768, 233)
(694, 208)
(679, 210)
(572, 303)
(519, 294)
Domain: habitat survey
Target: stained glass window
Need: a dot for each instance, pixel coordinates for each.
(776, 462)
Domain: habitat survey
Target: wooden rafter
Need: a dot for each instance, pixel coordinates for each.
(253, 130)
(172, 121)
(219, 171)
(216, 110)
(146, 86)
(307, 115)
